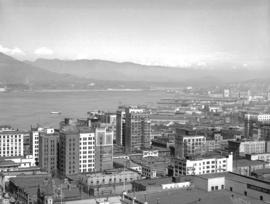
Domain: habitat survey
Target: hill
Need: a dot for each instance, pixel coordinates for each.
(113, 71)
(14, 72)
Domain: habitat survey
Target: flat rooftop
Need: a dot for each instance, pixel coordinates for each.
(246, 162)
(192, 196)
(248, 180)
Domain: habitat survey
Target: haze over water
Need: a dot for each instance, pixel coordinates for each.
(23, 109)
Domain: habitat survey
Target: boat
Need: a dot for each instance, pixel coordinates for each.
(55, 112)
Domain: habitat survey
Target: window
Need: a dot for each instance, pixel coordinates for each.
(245, 193)
(261, 197)
(212, 188)
(216, 187)
(231, 189)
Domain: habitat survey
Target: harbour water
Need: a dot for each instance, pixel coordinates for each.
(23, 109)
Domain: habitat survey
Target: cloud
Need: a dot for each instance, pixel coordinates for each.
(43, 51)
(11, 51)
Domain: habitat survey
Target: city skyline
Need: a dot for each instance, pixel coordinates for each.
(174, 33)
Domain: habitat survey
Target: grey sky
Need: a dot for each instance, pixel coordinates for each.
(150, 32)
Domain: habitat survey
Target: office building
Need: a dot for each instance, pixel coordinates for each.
(48, 151)
(103, 149)
(69, 162)
(137, 130)
(188, 143)
(87, 149)
(11, 142)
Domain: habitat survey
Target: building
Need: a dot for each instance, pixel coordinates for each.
(241, 148)
(34, 140)
(161, 184)
(246, 167)
(109, 182)
(11, 142)
(188, 143)
(262, 157)
(226, 93)
(225, 188)
(69, 162)
(137, 129)
(48, 151)
(120, 126)
(34, 143)
(103, 149)
(210, 182)
(152, 167)
(255, 121)
(207, 164)
(87, 149)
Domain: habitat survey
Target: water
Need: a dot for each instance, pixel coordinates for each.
(23, 109)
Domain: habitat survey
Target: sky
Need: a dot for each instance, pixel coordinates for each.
(152, 32)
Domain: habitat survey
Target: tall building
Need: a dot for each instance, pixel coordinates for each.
(34, 144)
(11, 142)
(103, 149)
(120, 127)
(87, 149)
(188, 143)
(69, 162)
(48, 151)
(137, 130)
(34, 140)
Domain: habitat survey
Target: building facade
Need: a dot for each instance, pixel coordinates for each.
(203, 165)
(69, 162)
(11, 142)
(87, 150)
(187, 143)
(103, 149)
(48, 151)
(137, 129)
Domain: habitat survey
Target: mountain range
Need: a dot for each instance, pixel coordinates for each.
(126, 71)
(55, 73)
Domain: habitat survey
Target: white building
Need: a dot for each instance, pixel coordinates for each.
(203, 165)
(87, 150)
(28, 161)
(11, 142)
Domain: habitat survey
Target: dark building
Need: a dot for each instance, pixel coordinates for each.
(48, 152)
(137, 129)
(69, 150)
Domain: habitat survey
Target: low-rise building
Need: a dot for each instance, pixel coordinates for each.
(111, 181)
(152, 166)
(160, 184)
(246, 167)
(263, 157)
(207, 164)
